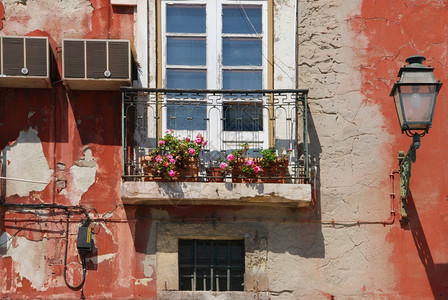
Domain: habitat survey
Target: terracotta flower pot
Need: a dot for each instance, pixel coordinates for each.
(277, 172)
(215, 174)
(189, 171)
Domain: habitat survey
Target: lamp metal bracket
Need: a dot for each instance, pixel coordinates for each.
(405, 163)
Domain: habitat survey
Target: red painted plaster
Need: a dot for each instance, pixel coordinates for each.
(2, 15)
(67, 123)
(396, 30)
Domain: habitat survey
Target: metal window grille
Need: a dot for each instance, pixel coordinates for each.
(211, 265)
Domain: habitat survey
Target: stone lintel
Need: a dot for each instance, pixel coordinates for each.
(216, 193)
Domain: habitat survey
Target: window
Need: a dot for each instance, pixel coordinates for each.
(217, 45)
(211, 265)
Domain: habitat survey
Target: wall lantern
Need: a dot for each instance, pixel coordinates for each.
(415, 98)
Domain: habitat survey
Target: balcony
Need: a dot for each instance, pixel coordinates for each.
(229, 120)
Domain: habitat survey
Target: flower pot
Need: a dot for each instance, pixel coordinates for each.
(189, 170)
(215, 174)
(277, 172)
(150, 174)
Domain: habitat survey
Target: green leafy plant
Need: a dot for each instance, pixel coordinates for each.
(269, 156)
(174, 152)
(239, 157)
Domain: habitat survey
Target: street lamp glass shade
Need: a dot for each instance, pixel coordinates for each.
(415, 95)
(415, 105)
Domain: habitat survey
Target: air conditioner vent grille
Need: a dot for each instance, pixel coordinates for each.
(73, 59)
(96, 59)
(36, 57)
(119, 53)
(13, 56)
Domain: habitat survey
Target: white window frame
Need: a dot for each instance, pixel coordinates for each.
(218, 138)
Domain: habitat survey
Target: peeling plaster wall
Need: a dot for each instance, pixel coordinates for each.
(62, 18)
(348, 56)
(70, 140)
(347, 141)
(82, 175)
(28, 257)
(26, 160)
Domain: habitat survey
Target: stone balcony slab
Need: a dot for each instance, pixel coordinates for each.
(216, 193)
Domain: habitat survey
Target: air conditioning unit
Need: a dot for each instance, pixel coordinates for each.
(96, 64)
(24, 62)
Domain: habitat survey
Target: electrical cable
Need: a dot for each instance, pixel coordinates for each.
(67, 209)
(273, 63)
(83, 260)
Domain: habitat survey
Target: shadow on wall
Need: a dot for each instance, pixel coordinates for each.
(437, 274)
(43, 109)
(304, 239)
(96, 114)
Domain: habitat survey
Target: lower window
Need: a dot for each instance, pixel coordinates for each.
(211, 265)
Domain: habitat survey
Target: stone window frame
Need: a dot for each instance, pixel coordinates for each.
(255, 238)
(214, 275)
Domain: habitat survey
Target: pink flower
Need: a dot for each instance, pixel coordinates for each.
(159, 158)
(199, 139)
(204, 143)
(161, 143)
(230, 157)
(250, 162)
(256, 168)
(223, 165)
(191, 151)
(173, 161)
(169, 156)
(172, 173)
(187, 139)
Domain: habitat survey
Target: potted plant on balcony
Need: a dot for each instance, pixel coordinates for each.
(175, 158)
(218, 171)
(270, 168)
(275, 167)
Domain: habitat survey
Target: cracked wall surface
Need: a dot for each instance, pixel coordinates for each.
(340, 247)
(25, 160)
(346, 143)
(61, 18)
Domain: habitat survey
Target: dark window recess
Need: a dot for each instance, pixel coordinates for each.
(187, 116)
(243, 117)
(211, 265)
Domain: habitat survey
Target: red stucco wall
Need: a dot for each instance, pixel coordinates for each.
(396, 30)
(67, 123)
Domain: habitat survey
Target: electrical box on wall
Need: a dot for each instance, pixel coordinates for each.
(25, 62)
(84, 242)
(96, 64)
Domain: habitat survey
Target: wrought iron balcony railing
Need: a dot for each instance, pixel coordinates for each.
(226, 119)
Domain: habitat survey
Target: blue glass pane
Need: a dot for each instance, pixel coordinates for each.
(186, 51)
(185, 18)
(186, 116)
(244, 117)
(186, 79)
(242, 80)
(241, 52)
(241, 19)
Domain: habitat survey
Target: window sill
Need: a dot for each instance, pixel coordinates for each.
(216, 193)
(196, 295)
